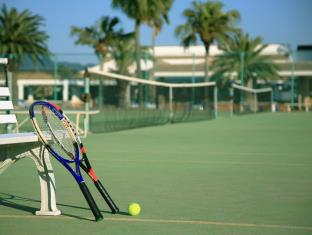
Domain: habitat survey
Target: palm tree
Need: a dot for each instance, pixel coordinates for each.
(123, 54)
(158, 15)
(99, 36)
(142, 11)
(242, 55)
(21, 38)
(207, 22)
(137, 10)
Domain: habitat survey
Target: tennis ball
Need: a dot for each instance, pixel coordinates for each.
(134, 209)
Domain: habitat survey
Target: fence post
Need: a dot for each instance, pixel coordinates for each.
(101, 99)
(55, 75)
(87, 92)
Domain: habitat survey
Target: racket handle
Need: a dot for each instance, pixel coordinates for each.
(94, 208)
(106, 197)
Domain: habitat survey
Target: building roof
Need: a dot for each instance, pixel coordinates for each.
(180, 51)
(177, 61)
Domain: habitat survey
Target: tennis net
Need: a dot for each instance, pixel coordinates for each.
(127, 102)
(248, 100)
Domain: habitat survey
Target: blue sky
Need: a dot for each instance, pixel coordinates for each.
(276, 21)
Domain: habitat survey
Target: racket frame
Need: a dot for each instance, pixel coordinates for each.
(65, 162)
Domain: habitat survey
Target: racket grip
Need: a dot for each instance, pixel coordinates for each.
(106, 197)
(94, 208)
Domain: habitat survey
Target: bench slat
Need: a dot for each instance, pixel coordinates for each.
(6, 105)
(26, 137)
(7, 118)
(4, 91)
(4, 60)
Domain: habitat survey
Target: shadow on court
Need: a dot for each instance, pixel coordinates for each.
(18, 202)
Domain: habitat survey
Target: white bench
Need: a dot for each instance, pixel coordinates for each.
(14, 147)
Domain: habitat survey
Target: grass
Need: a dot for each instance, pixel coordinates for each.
(243, 175)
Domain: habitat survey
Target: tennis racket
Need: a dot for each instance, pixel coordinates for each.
(58, 137)
(86, 166)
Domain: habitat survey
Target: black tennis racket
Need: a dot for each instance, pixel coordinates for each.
(57, 135)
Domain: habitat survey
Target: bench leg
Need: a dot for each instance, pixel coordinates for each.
(47, 182)
(9, 154)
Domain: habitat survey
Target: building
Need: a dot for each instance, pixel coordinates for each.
(172, 64)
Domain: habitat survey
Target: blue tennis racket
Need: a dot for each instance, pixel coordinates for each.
(58, 136)
(85, 163)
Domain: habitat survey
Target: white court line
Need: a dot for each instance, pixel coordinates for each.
(183, 152)
(148, 161)
(216, 223)
(169, 221)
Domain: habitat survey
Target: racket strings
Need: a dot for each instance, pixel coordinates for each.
(56, 134)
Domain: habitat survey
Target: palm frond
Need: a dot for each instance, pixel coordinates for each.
(21, 36)
(241, 48)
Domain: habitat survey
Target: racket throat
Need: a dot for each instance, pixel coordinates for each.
(92, 174)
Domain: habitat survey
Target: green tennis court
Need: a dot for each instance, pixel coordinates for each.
(250, 174)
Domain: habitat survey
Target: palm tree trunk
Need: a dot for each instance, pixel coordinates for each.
(138, 59)
(251, 99)
(206, 66)
(206, 91)
(254, 86)
(254, 82)
(137, 48)
(153, 55)
(102, 58)
(101, 98)
(12, 81)
(152, 91)
(122, 93)
(207, 48)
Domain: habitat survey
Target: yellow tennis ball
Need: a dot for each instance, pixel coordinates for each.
(134, 209)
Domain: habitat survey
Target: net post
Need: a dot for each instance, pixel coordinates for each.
(231, 92)
(170, 103)
(272, 101)
(215, 100)
(255, 102)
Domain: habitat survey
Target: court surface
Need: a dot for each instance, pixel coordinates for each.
(243, 175)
